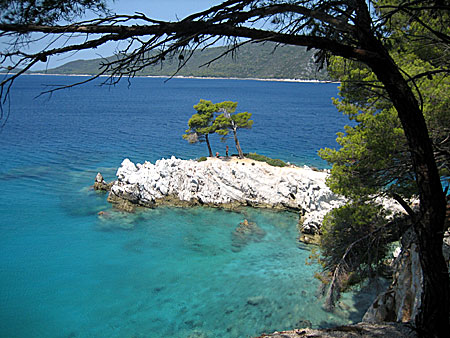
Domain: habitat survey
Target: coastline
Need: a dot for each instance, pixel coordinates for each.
(227, 183)
(189, 77)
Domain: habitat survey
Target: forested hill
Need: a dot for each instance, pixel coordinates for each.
(265, 61)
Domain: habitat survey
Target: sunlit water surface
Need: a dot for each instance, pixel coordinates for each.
(65, 271)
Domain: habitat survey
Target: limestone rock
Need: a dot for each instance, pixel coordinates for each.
(227, 184)
(401, 301)
(100, 183)
(446, 247)
(99, 178)
(360, 330)
(121, 204)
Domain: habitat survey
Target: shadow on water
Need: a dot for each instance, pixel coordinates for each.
(354, 304)
(364, 297)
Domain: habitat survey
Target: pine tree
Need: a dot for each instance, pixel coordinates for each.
(229, 121)
(201, 124)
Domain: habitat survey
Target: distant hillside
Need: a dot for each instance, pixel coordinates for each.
(251, 61)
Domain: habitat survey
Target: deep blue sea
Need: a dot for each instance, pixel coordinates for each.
(167, 272)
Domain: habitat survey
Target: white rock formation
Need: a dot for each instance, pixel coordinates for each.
(225, 183)
(401, 301)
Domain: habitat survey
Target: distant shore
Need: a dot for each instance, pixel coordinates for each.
(193, 77)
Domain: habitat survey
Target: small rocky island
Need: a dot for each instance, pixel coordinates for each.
(226, 183)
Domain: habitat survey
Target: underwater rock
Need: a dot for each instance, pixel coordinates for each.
(121, 204)
(198, 334)
(256, 300)
(104, 214)
(313, 239)
(304, 323)
(244, 233)
(116, 219)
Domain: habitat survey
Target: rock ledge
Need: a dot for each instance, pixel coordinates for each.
(360, 330)
(226, 183)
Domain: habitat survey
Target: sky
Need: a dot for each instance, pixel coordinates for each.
(168, 10)
(162, 9)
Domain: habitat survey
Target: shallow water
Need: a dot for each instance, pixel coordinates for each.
(65, 271)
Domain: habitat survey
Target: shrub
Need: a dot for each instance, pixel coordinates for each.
(202, 159)
(271, 161)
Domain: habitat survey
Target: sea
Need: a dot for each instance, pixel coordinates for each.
(166, 272)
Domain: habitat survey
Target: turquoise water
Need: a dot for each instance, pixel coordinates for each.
(65, 271)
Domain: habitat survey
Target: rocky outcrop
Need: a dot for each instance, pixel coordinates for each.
(401, 301)
(101, 184)
(227, 184)
(360, 330)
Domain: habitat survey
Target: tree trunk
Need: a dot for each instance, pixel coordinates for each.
(209, 146)
(238, 146)
(433, 317)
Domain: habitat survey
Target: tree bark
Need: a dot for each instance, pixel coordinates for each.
(433, 317)
(238, 146)
(209, 145)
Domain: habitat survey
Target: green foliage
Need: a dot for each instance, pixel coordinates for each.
(430, 23)
(205, 122)
(230, 121)
(45, 12)
(201, 159)
(355, 226)
(261, 158)
(201, 123)
(224, 124)
(373, 157)
(242, 120)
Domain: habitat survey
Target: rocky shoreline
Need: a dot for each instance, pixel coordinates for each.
(226, 183)
(360, 330)
(231, 183)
